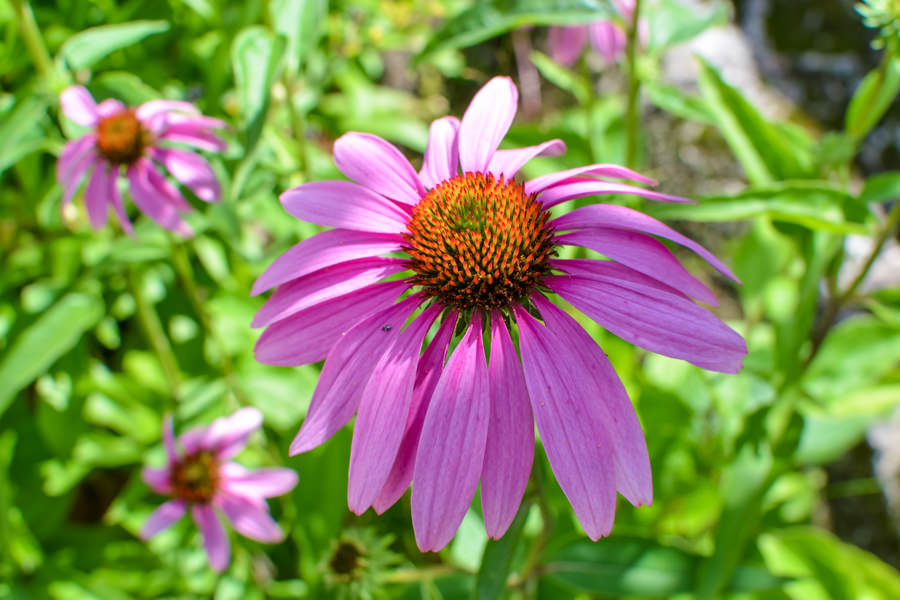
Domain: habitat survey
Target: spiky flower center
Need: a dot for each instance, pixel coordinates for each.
(121, 138)
(479, 242)
(195, 477)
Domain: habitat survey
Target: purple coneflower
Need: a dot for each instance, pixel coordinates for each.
(607, 37)
(478, 249)
(137, 141)
(201, 477)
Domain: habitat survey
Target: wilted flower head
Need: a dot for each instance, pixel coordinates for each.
(200, 476)
(478, 252)
(607, 37)
(134, 142)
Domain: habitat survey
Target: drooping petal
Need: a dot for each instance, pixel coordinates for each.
(641, 253)
(250, 519)
(191, 170)
(539, 184)
(378, 165)
(621, 217)
(346, 205)
(215, 541)
(649, 314)
(325, 284)
(308, 336)
(485, 123)
(163, 517)
(564, 44)
(191, 135)
(510, 442)
(441, 160)
(508, 162)
(578, 187)
(347, 370)
(568, 421)
(608, 39)
(149, 201)
(632, 462)
(167, 191)
(78, 105)
(428, 374)
(148, 110)
(261, 483)
(227, 436)
(157, 479)
(115, 198)
(88, 164)
(451, 450)
(324, 250)
(95, 198)
(74, 154)
(385, 403)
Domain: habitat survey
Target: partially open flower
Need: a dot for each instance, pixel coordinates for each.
(135, 142)
(608, 38)
(199, 476)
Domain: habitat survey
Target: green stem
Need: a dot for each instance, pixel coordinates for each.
(423, 574)
(298, 127)
(182, 264)
(156, 335)
(532, 565)
(838, 301)
(634, 88)
(32, 37)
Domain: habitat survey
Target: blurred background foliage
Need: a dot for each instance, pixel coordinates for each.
(763, 481)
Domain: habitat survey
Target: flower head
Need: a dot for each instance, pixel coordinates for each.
(468, 249)
(200, 475)
(607, 37)
(134, 142)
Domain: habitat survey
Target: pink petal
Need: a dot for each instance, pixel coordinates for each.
(485, 123)
(578, 187)
(308, 336)
(168, 436)
(73, 154)
(261, 483)
(167, 191)
(226, 436)
(148, 200)
(442, 154)
(378, 165)
(632, 463)
(641, 253)
(325, 284)
(385, 403)
(214, 539)
(508, 162)
(89, 162)
(608, 39)
(648, 314)
(428, 374)
(150, 109)
(109, 107)
(191, 170)
(346, 205)
(95, 198)
(190, 134)
(346, 372)
(78, 105)
(324, 250)
(192, 440)
(564, 44)
(250, 519)
(115, 198)
(620, 217)
(510, 441)
(163, 517)
(451, 453)
(539, 184)
(569, 422)
(157, 479)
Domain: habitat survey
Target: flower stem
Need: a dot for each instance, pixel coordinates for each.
(156, 335)
(298, 126)
(634, 88)
(531, 568)
(31, 35)
(839, 300)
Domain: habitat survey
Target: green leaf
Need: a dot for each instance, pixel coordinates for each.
(813, 205)
(88, 47)
(881, 188)
(300, 22)
(873, 97)
(256, 56)
(671, 22)
(488, 19)
(562, 77)
(490, 583)
(20, 131)
(767, 152)
(127, 87)
(674, 101)
(44, 341)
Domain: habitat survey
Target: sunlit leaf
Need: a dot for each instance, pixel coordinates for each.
(88, 47)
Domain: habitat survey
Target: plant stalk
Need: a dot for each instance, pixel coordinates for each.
(634, 88)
